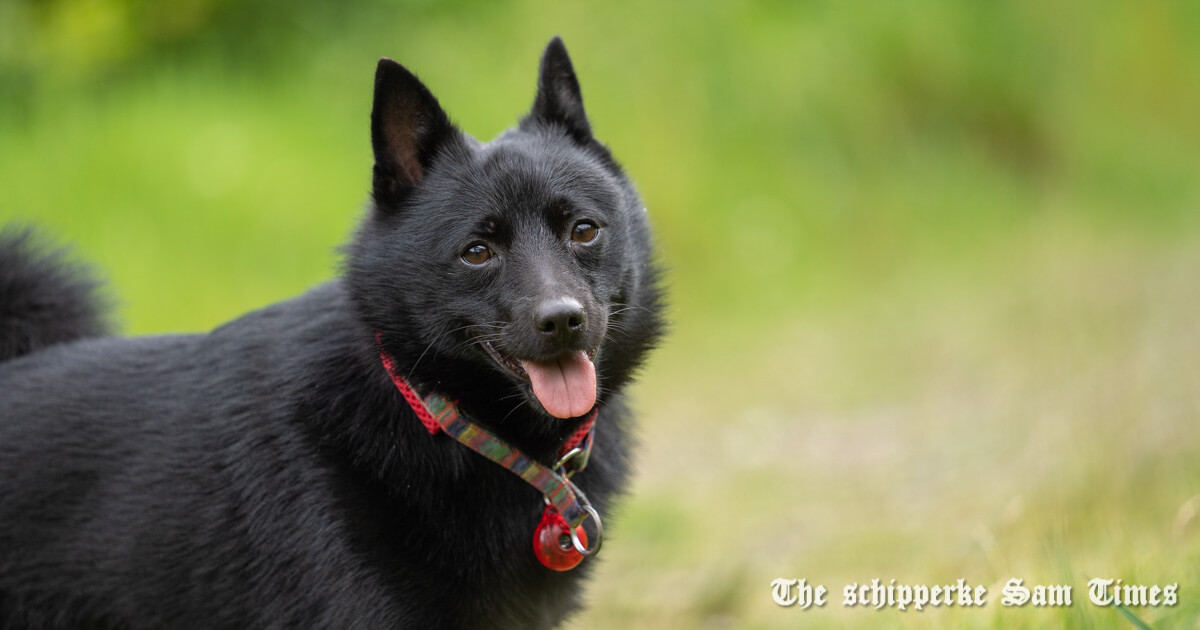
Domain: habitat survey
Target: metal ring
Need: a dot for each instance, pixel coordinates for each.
(568, 458)
(578, 544)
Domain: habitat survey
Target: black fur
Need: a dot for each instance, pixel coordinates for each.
(44, 299)
(268, 474)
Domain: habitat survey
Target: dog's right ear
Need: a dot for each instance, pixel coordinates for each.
(407, 129)
(559, 100)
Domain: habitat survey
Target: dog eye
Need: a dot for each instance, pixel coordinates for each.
(584, 232)
(476, 254)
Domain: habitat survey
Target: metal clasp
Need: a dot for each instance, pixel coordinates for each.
(591, 511)
(572, 462)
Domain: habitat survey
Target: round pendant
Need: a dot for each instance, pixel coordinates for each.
(552, 542)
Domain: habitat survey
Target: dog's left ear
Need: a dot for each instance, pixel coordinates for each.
(408, 129)
(559, 99)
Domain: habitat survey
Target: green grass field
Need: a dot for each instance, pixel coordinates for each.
(934, 267)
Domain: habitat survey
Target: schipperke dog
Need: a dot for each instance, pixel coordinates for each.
(380, 452)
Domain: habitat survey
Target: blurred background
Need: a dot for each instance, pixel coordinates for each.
(934, 266)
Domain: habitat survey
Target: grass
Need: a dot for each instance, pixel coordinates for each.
(1030, 422)
(933, 267)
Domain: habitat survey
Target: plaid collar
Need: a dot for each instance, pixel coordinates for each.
(560, 541)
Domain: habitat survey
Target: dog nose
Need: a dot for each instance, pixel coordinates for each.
(560, 320)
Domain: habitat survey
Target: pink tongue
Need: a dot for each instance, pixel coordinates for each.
(565, 386)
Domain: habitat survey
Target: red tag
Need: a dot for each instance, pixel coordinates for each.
(552, 542)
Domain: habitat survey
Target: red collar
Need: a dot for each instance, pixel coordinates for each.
(560, 541)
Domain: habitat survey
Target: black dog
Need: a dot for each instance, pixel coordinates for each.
(273, 474)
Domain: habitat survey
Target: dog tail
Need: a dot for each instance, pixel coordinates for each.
(44, 298)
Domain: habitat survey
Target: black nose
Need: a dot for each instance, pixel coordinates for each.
(560, 320)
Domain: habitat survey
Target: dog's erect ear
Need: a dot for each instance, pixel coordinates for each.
(407, 129)
(558, 97)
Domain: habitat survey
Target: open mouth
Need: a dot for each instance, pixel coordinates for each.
(565, 385)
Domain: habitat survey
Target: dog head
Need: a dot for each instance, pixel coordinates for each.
(512, 272)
